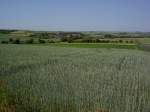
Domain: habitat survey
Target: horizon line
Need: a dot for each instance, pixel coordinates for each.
(28, 29)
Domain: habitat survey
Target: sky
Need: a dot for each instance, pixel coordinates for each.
(75, 15)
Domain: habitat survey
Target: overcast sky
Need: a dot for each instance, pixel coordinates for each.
(76, 15)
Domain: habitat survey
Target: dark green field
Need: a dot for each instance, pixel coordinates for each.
(92, 45)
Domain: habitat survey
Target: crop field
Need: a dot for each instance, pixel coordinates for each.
(66, 79)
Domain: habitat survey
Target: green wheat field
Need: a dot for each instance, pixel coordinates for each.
(67, 79)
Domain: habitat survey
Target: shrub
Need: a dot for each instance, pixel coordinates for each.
(30, 41)
(111, 41)
(108, 36)
(115, 41)
(17, 41)
(51, 41)
(120, 41)
(42, 41)
(10, 40)
(97, 40)
(94, 41)
(87, 40)
(64, 39)
(131, 41)
(107, 41)
(4, 42)
(127, 41)
(70, 40)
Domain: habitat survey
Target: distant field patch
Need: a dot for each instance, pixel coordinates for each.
(21, 33)
(144, 40)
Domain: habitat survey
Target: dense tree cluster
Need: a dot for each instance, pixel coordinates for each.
(46, 35)
(7, 31)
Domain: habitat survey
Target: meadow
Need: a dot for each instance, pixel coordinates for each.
(37, 78)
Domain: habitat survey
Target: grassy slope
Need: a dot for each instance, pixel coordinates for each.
(55, 79)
